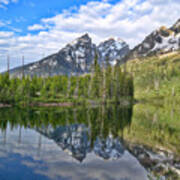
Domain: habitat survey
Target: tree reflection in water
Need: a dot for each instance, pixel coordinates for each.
(76, 130)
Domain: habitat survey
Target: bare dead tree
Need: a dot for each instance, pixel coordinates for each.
(22, 66)
(69, 86)
(8, 63)
(4, 137)
(23, 76)
(103, 82)
(19, 137)
(39, 145)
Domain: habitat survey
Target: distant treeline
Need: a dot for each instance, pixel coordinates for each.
(110, 83)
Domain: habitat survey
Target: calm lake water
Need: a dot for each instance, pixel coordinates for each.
(68, 143)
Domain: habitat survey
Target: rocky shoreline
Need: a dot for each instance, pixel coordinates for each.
(157, 161)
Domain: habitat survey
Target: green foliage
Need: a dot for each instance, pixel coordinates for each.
(101, 85)
(156, 126)
(156, 77)
(73, 84)
(103, 120)
(157, 86)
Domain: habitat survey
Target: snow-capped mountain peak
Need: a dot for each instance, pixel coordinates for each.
(114, 49)
(162, 40)
(76, 57)
(80, 53)
(83, 39)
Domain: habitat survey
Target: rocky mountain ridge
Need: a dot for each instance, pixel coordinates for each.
(112, 49)
(76, 58)
(162, 40)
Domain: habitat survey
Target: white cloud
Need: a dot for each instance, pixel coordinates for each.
(6, 34)
(1, 23)
(3, 3)
(8, 1)
(4, 23)
(130, 20)
(36, 27)
(7, 24)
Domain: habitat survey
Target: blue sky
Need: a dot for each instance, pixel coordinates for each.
(23, 13)
(36, 28)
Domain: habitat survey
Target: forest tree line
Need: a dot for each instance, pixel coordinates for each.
(110, 83)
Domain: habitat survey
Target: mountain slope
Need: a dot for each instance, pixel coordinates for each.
(112, 49)
(75, 58)
(156, 77)
(160, 41)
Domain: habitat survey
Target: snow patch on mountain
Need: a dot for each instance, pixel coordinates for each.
(76, 57)
(170, 43)
(112, 50)
(162, 40)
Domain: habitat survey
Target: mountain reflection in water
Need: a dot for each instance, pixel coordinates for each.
(75, 140)
(36, 144)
